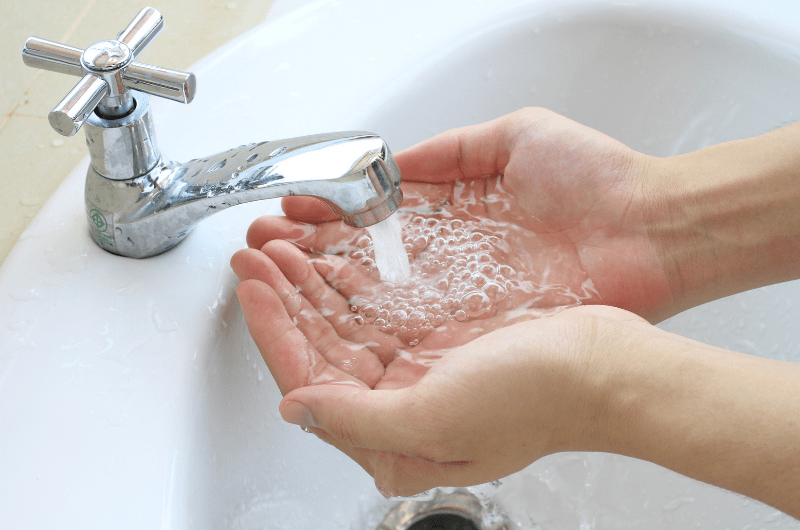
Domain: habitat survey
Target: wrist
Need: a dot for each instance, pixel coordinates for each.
(727, 218)
(721, 417)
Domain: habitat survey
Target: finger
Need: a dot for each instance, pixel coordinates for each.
(398, 475)
(250, 264)
(270, 227)
(290, 357)
(376, 430)
(335, 307)
(354, 359)
(350, 281)
(465, 153)
(394, 474)
(328, 238)
(308, 209)
(357, 421)
(369, 419)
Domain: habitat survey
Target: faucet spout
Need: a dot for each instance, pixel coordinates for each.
(353, 172)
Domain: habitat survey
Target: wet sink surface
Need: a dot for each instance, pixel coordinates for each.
(130, 391)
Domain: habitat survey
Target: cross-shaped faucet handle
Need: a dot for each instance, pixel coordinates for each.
(107, 70)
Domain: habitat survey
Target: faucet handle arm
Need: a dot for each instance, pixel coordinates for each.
(171, 84)
(48, 55)
(75, 108)
(142, 30)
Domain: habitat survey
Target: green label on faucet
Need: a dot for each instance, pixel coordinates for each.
(98, 220)
(101, 227)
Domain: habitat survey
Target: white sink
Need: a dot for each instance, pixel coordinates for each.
(131, 395)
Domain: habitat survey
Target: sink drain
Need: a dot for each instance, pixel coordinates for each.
(459, 510)
(443, 521)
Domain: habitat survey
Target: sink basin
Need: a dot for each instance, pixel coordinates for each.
(131, 395)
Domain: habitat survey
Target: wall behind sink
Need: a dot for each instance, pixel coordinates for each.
(35, 158)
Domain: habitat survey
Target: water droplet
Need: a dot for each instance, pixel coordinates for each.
(217, 166)
(278, 151)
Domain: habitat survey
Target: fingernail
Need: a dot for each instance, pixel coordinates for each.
(297, 413)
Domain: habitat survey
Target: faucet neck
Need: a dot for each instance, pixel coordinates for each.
(123, 148)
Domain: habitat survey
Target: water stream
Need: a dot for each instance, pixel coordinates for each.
(390, 256)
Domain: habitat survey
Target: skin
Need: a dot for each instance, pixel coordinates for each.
(654, 236)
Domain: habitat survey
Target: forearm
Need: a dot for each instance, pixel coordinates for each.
(725, 418)
(727, 218)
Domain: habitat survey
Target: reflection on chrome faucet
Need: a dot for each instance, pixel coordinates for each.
(140, 204)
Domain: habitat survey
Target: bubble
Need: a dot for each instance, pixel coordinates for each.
(488, 270)
(506, 271)
(475, 303)
(415, 319)
(419, 242)
(398, 317)
(430, 296)
(460, 315)
(494, 291)
(479, 280)
(369, 312)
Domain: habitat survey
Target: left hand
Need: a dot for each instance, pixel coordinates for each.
(418, 420)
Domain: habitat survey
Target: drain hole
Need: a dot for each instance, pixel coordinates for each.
(443, 521)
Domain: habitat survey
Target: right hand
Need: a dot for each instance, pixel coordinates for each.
(580, 195)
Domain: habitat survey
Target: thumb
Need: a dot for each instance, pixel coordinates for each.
(382, 420)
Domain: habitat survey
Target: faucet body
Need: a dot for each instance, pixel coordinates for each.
(139, 203)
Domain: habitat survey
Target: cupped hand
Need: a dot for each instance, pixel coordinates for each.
(418, 419)
(577, 199)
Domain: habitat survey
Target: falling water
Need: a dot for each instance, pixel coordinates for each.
(390, 256)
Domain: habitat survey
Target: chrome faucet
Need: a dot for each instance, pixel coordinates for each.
(139, 203)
